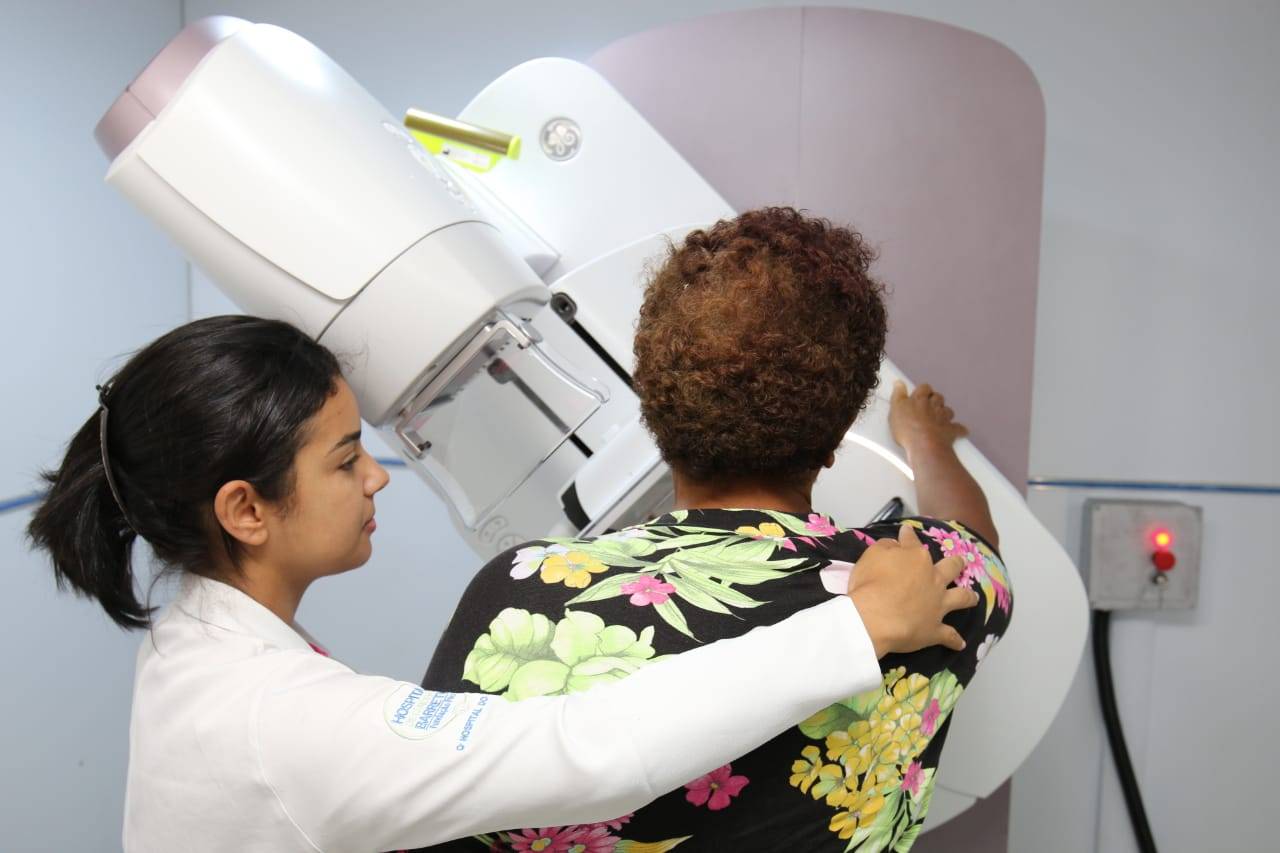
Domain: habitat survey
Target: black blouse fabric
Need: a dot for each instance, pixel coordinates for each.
(558, 616)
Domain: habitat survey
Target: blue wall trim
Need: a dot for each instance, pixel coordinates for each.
(1132, 485)
(19, 502)
(1149, 486)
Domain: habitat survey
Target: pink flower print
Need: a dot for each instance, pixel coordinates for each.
(594, 838)
(820, 525)
(929, 720)
(953, 544)
(864, 538)
(718, 787)
(912, 778)
(548, 839)
(616, 824)
(1003, 601)
(647, 589)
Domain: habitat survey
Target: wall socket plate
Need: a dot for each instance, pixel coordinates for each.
(1119, 544)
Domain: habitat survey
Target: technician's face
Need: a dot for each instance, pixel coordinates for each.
(325, 527)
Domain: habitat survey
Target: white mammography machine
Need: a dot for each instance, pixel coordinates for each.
(484, 304)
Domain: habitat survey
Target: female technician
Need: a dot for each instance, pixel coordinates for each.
(232, 446)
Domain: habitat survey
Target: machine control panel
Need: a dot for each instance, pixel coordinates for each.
(1142, 555)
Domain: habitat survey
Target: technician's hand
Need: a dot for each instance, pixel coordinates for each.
(902, 595)
(922, 420)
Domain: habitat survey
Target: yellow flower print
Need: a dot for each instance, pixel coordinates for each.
(852, 747)
(860, 805)
(768, 530)
(895, 722)
(804, 770)
(813, 777)
(574, 568)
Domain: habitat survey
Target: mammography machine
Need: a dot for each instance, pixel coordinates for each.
(481, 287)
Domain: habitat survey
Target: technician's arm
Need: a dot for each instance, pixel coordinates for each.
(339, 750)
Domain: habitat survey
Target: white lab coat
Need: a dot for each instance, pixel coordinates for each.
(243, 738)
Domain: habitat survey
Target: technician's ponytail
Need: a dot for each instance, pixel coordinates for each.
(84, 529)
(215, 400)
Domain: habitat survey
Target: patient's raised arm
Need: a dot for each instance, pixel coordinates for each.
(925, 426)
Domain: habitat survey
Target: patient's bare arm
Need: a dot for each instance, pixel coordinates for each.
(925, 426)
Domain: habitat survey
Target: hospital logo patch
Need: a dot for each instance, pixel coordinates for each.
(414, 712)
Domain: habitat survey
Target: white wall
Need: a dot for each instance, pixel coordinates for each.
(1155, 327)
(85, 280)
(1194, 690)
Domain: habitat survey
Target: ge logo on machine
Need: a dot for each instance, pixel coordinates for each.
(561, 139)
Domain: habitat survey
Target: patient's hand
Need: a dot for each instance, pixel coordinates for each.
(922, 420)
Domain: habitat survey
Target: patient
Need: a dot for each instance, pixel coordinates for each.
(758, 343)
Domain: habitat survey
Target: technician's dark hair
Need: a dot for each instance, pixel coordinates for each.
(219, 399)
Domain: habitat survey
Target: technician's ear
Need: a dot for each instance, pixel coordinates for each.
(831, 460)
(241, 512)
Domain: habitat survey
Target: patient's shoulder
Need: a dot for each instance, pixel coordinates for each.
(931, 531)
(984, 572)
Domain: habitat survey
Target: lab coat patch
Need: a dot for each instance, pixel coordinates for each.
(414, 713)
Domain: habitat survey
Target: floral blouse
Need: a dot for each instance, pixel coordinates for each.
(562, 615)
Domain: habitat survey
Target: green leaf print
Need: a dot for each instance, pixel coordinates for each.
(917, 808)
(790, 523)
(698, 598)
(925, 797)
(574, 654)
(610, 587)
(621, 640)
(743, 562)
(831, 718)
(520, 633)
(625, 846)
(672, 615)
(907, 839)
(539, 678)
(882, 832)
(720, 591)
(688, 540)
(946, 688)
(515, 637)
(841, 715)
(577, 636)
(619, 554)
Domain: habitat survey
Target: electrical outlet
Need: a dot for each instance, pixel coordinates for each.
(1142, 555)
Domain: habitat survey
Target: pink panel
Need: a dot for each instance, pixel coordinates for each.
(929, 139)
(720, 97)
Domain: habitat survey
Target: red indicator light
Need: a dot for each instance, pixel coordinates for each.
(1163, 538)
(1164, 560)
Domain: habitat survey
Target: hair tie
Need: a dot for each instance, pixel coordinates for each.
(103, 411)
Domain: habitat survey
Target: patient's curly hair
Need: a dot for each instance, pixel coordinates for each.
(758, 343)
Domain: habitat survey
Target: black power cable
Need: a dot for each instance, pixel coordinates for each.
(1115, 734)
